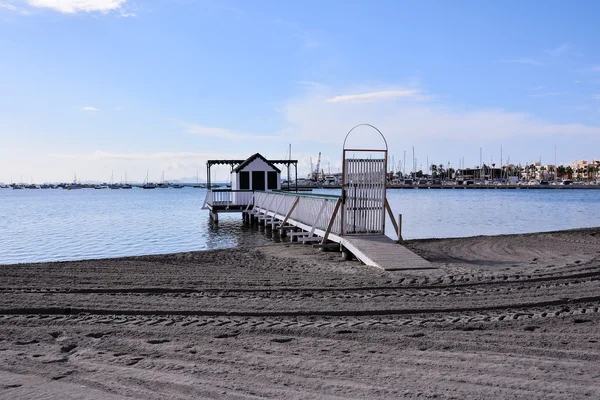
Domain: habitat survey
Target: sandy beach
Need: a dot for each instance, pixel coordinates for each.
(500, 317)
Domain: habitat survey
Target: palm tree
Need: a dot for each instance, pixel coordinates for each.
(561, 171)
(569, 172)
(533, 170)
(542, 169)
(592, 172)
(433, 170)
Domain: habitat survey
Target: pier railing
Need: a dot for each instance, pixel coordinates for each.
(311, 211)
(227, 198)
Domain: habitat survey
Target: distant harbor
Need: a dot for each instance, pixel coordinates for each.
(307, 185)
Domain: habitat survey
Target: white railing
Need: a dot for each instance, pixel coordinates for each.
(318, 212)
(228, 198)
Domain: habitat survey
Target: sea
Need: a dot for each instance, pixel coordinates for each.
(59, 225)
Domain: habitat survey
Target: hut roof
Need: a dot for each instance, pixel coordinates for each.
(252, 158)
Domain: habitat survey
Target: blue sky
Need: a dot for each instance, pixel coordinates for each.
(94, 86)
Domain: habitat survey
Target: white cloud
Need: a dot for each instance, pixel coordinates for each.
(525, 61)
(314, 118)
(596, 97)
(558, 50)
(375, 96)
(200, 130)
(8, 6)
(90, 109)
(12, 7)
(74, 6)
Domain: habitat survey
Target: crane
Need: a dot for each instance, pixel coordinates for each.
(318, 169)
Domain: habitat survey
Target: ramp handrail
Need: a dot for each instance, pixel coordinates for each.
(313, 210)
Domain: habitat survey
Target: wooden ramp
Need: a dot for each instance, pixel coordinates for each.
(383, 252)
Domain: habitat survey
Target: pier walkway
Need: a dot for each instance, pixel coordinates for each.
(317, 219)
(383, 252)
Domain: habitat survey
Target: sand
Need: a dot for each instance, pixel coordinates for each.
(501, 317)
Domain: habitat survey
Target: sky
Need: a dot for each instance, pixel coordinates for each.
(113, 87)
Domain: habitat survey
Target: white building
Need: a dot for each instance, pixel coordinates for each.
(256, 173)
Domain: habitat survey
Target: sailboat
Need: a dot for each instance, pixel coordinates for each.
(74, 185)
(162, 184)
(148, 185)
(197, 185)
(125, 185)
(112, 184)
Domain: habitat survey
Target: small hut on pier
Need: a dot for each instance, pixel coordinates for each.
(247, 176)
(256, 173)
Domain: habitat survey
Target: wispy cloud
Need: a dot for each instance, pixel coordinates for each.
(74, 6)
(525, 61)
(596, 97)
(548, 94)
(313, 117)
(12, 7)
(8, 6)
(200, 130)
(595, 68)
(557, 51)
(376, 96)
(90, 109)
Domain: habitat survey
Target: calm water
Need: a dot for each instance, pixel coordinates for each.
(51, 225)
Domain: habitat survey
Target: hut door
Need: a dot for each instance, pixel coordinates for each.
(258, 180)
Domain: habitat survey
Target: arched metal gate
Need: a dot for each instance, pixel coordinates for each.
(363, 189)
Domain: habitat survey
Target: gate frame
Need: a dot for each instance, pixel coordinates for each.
(385, 158)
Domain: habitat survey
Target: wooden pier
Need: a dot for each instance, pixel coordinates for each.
(353, 223)
(316, 219)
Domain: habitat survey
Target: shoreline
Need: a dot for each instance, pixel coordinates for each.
(268, 242)
(509, 316)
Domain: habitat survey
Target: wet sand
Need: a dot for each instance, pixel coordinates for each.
(511, 316)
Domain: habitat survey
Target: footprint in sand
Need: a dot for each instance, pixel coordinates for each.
(97, 335)
(282, 340)
(158, 341)
(26, 342)
(9, 386)
(67, 348)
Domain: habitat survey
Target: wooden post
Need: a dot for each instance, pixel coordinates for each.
(289, 213)
(399, 227)
(332, 220)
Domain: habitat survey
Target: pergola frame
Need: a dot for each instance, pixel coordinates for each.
(234, 163)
